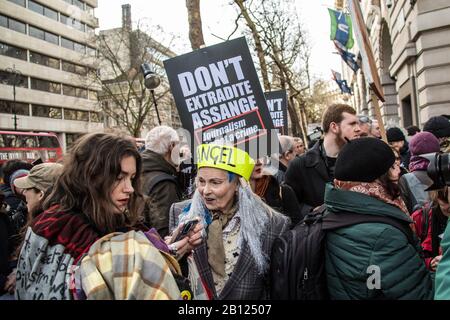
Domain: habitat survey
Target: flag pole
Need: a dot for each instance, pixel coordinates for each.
(369, 68)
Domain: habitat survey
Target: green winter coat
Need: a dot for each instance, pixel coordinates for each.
(354, 254)
(443, 269)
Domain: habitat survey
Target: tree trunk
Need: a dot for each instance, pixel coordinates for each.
(295, 121)
(195, 24)
(303, 123)
(258, 43)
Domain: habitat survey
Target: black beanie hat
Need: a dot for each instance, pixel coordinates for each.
(395, 134)
(364, 160)
(439, 126)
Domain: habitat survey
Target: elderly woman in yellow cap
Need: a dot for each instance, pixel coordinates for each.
(233, 260)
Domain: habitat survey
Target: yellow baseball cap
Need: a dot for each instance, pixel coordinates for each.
(227, 158)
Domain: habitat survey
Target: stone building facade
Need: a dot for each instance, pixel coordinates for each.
(411, 44)
(52, 44)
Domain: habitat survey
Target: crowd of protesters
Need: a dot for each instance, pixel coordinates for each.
(112, 221)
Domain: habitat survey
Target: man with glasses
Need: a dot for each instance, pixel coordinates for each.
(365, 125)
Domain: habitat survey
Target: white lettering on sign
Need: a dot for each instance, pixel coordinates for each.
(274, 103)
(203, 77)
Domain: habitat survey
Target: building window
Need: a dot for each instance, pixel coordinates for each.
(52, 38)
(63, 18)
(92, 52)
(44, 60)
(90, 30)
(13, 24)
(36, 7)
(69, 91)
(46, 111)
(9, 78)
(12, 51)
(78, 47)
(75, 92)
(3, 21)
(17, 25)
(96, 117)
(78, 3)
(36, 32)
(93, 95)
(8, 107)
(72, 22)
(89, 9)
(43, 35)
(44, 85)
(70, 114)
(43, 10)
(71, 138)
(72, 45)
(19, 2)
(52, 14)
(66, 43)
(74, 68)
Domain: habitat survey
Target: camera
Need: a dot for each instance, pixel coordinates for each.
(438, 169)
(315, 134)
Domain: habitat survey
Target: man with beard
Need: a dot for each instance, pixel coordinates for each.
(308, 174)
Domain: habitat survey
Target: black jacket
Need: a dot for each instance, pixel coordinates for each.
(162, 195)
(405, 155)
(307, 176)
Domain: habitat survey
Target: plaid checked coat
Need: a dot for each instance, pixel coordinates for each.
(245, 283)
(127, 266)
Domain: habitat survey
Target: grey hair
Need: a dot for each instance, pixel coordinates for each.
(255, 218)
(160, 138)
(287, 144)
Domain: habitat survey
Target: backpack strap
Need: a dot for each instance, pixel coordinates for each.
(159, 178)
(332, 221)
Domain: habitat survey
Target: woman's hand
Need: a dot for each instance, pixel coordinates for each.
(434, 263)
(195, 235)
(187, 243)
(10, 285)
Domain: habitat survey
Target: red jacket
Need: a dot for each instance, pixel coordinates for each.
(425, 238)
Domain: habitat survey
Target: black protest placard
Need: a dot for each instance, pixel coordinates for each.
(219, 97)
(277, 104)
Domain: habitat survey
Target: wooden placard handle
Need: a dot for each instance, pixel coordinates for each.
(378, 116)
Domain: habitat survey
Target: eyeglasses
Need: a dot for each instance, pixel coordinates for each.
(364, 119)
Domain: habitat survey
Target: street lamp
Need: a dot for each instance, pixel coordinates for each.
(15, 76)
(151, 82)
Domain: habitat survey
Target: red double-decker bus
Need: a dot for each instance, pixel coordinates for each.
(29, 146)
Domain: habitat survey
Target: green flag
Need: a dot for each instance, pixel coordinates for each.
(341, 28)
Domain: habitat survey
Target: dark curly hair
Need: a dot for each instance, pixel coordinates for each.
(90, 174)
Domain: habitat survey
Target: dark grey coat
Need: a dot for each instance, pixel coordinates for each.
(245, 283)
